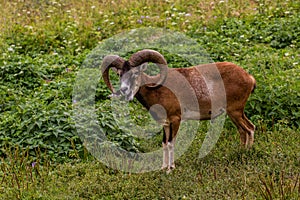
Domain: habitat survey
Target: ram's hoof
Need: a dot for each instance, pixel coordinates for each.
(170, 169)
(164, 167)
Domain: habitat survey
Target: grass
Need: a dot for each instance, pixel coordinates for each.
(268, 171)
(53, 37)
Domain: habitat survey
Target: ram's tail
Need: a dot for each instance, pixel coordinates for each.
(254, 84)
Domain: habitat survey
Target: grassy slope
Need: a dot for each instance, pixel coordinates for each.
(270, 170)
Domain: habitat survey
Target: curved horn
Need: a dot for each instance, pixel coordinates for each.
(148, 55)
(111, 61)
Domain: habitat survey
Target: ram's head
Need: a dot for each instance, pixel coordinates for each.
(131, 72)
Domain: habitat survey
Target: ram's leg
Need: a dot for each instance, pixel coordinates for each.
(166, 135)
(165, 156)
(171, 154)
(245, 127)
(174, 126)
(251, 129)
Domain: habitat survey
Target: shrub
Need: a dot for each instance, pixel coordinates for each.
(276, 98)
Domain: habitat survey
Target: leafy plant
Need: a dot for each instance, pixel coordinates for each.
(277, 98)
(44, 44)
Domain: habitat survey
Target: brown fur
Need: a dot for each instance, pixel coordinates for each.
(238, 86)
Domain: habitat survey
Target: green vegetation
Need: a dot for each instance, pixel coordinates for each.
(42, 47)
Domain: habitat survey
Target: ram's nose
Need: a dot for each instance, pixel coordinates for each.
(123, 90)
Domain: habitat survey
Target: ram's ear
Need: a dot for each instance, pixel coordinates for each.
(143, 67)
(118, 71)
